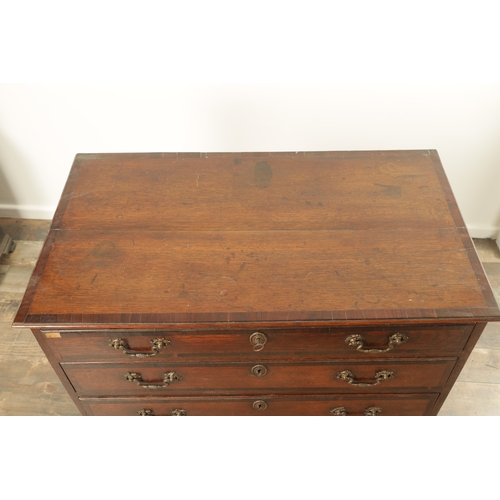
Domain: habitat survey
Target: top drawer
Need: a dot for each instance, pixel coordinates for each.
(304, 343)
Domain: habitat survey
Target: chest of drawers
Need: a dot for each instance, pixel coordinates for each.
(327, 283)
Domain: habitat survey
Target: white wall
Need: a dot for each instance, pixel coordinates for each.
(43, 126)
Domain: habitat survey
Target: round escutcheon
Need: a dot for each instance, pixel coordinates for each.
(259, 405)
(258, 339)
(259, 370)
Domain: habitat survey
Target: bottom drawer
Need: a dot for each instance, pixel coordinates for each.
(337, 405)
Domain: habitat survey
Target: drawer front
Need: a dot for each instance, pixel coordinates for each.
(319, 343)
(268, 405)
(248, 378)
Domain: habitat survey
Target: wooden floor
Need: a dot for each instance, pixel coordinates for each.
(29, 386)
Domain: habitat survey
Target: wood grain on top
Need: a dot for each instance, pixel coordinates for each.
(267, 192)
(234, 238)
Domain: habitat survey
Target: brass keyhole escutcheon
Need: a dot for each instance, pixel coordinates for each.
(259, 370)
(259, 405)
(258, 340)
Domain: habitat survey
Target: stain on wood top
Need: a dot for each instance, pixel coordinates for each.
(241, 238)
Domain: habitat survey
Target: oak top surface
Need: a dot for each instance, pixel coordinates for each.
(243, 238)
(249, 192)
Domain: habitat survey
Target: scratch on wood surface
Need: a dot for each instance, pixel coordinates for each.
(198, 177)
(93, 279)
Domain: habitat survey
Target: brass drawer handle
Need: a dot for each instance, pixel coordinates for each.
(373, 411)
(356, 340)
(150, 413)
(179, 413)
(349, 377)
(168, 378)
(158, 345)
(340, 411)
(146, 413)
(259, 370)
(258, 341)
(259, 405)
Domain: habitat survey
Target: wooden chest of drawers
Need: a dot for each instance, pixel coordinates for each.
(328, 283)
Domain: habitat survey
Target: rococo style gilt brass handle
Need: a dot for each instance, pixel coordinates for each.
(349, 377)
(150, 413)
(357, 341)
(340, 411)
(168, 378)
(373, 411)
(146, 413)
(179, 413)
(158, 345)
(258, 341)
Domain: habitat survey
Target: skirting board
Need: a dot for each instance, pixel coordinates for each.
(490, 233)
(27, 212)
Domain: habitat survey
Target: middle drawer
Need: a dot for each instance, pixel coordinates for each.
(354, 377)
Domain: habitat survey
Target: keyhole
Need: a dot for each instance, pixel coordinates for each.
(259, 370)
(259, 405)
